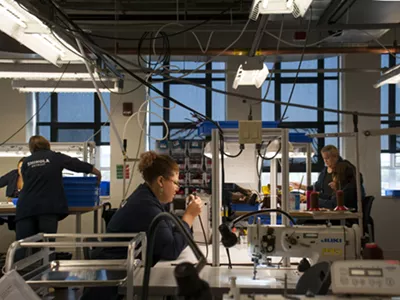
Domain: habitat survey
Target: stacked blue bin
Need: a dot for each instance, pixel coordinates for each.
(81, 191)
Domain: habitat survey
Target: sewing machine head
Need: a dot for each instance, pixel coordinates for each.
(317, 243)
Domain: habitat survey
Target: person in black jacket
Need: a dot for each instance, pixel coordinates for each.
(327, 186)
(42, 201)
(161, 176)
(13, 181)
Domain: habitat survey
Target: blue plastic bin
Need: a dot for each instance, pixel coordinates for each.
(105, 188)
(392, 193)
(81, 191)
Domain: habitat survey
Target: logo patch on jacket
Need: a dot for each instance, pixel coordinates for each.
(38, 163)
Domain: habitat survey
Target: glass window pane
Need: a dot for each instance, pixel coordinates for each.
(218, 102)
(76, 107)
(385, 101)
(331, 99)
(75, 135)
(217, 65)
(105, 134)
(305, 65)
(187, 66)
(397, 101)
(44, 131)
(44, 107)
(331, 63)
(384, 139)
(105, 156)
(106, 98)
(305, 94)
(331, 140)
(314, 143)
(157, 103)
(156, 132)
(268, 109)
(397, 143)
(385, 159)
(385, 60)
(189, 95)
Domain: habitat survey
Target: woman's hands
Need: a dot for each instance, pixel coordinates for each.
(193, 209)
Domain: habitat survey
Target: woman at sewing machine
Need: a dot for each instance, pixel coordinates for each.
(161, 177)
(327, 186)
(13, 181)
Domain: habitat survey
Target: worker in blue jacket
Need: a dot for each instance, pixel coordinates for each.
(42, 201)
(13, 181)
(161, 176)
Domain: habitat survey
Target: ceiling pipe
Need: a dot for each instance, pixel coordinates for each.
(287, 51)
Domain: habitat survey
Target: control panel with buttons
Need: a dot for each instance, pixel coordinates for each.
(366, 277)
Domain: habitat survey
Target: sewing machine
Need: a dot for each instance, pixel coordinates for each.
(317, 243)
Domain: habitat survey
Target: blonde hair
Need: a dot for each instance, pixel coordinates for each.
(332, 150)
(153, 165)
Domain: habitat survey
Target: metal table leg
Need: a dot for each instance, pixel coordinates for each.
(96, 221)
(78, 229)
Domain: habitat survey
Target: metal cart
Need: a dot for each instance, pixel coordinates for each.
(40, 272)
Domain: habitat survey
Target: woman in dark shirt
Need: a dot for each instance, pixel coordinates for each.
(161, 176)
(13, 181)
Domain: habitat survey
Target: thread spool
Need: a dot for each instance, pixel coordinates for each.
(372, 251)
(310, 189)
(340, 201)
(314, 201)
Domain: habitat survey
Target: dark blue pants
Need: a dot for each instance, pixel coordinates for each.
(33, 225)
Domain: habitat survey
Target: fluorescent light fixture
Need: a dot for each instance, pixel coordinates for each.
(24, 27)
(45, 72)
(22, 150)
(297, 8)
(75, 86)
(391, 76)
(251, 73)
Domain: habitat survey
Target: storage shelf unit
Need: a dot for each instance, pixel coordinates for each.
(195, 168)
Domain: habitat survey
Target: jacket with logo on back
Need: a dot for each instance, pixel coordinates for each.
(43, 191)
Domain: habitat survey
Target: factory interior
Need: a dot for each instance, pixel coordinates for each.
(199, 149)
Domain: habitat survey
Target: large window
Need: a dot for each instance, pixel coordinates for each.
(181, 122)
(76, 117)
(390, 145)
(312, 88)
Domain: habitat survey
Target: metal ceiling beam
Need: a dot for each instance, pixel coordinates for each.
(259, 34)
(336, 9)
(131, 26)
(329, 11)
(266, 52)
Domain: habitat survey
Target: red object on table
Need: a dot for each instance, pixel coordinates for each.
(340, 201)
(314, 201)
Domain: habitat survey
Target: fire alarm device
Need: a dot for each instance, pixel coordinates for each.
(127, 109)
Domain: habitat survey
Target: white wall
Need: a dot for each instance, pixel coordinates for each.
(358, 94)
(132, 136)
